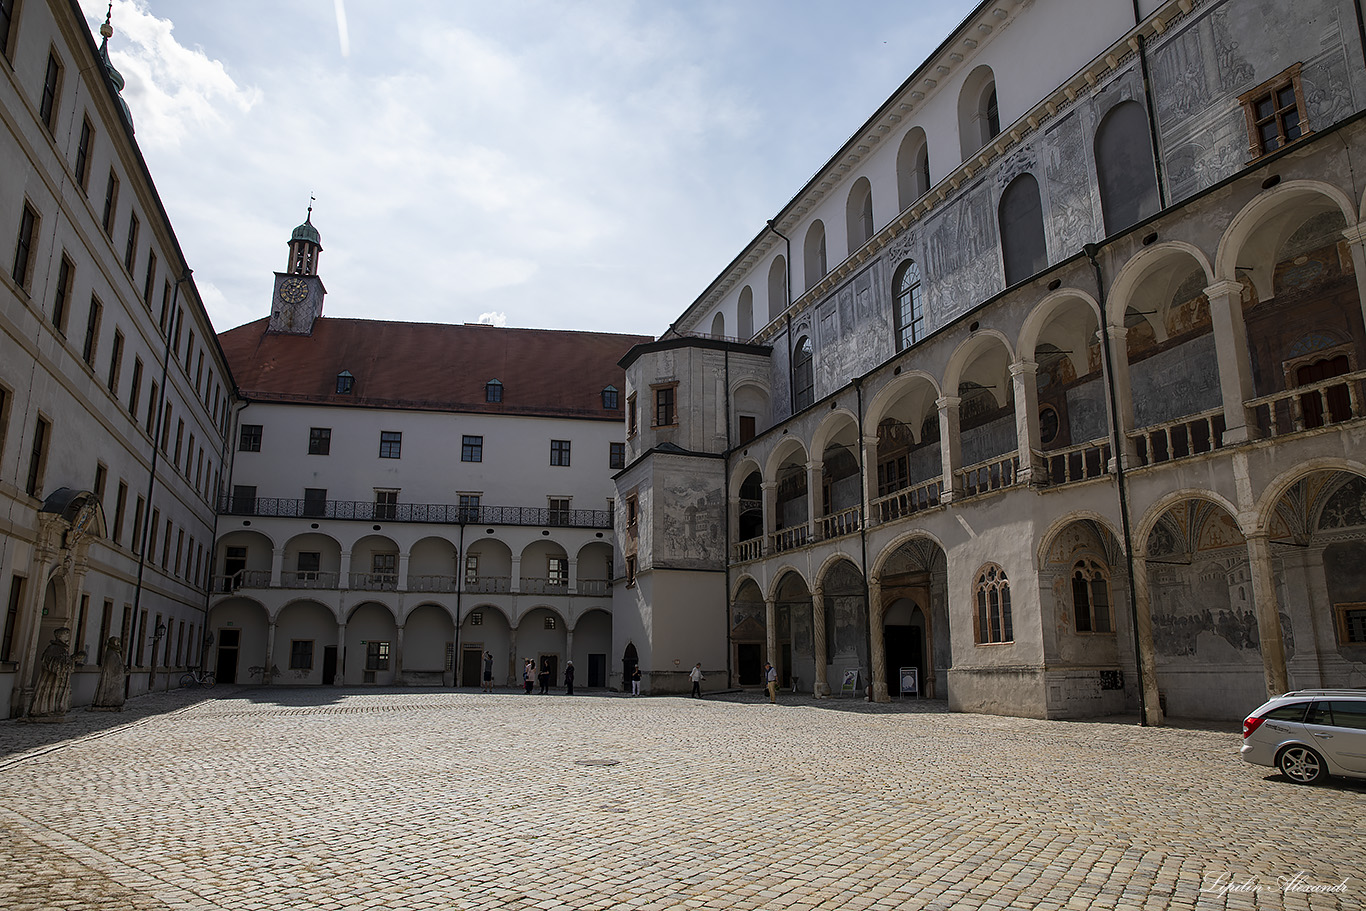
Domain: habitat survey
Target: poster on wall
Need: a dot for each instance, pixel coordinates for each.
(910, 681)
(849, 684)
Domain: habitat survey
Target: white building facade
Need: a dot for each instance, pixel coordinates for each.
(1046, 386)
(114, 394)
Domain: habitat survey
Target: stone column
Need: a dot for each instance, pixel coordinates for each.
(1116, 337)
(515, 583)
(270, 654)
(1356, 240)
(404, 558)
(1268, 613)
(515, 666)
(815, 505)
(950, 446)
(822, 688)
(340, 677)
(573, 576)
(869, 478)
(277, 565)
(1235, 364)
(344, 574)
(1024, 379)
(569, 652)
(398, 654)
(771, 631)
(877, 656)
(1147, 670)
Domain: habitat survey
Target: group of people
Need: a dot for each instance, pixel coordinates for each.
(531, 677)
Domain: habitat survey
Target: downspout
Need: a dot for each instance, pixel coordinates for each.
(152, 475)
(863, 537)
(726, 551)
(1152, 118)
(459, 588)
(1361, 29)
(225, 455)
(1116, 443)
(787, 305)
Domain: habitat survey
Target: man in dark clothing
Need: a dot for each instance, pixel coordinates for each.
(569, 678)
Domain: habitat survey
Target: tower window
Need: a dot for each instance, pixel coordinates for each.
(493, 391)
(345, 382)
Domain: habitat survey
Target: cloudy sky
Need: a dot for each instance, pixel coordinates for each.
(569, 164)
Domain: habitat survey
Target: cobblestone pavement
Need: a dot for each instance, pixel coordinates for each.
(415, 799)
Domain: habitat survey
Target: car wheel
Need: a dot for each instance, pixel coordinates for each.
(1302, 765)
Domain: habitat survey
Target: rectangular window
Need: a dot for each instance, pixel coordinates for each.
(111, 203)
(189, 457)
(149, 281)
(152, 411)
(198, 470)
(610, 399)
(179, 549)
(142, 623)
(23, 249)
(199, 373)
(631, 426)
(78, 642)
(92, 331)
(106, 620)
(244, 499)
(493, 391)
(130, 252)
(152, 534)
(616, 455)
(664, 406)
(630, 572)
(115, 362)
(83, 154)
(315, 501)
(136, 391)
(101, 480)
(390, 444)
(558, 511)
(189, 351)
(1351, 623)
(249, 439)
(747, 428)
(120, 504)
(384, 568)
(386, 504)
(175, 334)
(631, 512)
(52, 87)
(376, 656)
(469, 507)
(309, 562)
(179, 442)
(319, 440)
(61, 300)
(472, 449)
(559, 452)
(165, 305)
(16, 598)
(139, 512)
(557, 571)
(37, 458)
(7, 27)
(301, 655)
(472, 571)
(1274, 112)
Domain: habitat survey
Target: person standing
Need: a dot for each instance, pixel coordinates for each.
(528, 675)
(544, 677)
(488, 672)
(569, 678)
(635, 680)
(697, 677)
(771, 680)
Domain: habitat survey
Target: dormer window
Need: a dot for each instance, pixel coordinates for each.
(609, 399)
(493, 391)
(345, 382)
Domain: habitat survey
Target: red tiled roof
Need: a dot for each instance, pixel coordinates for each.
(432, 367)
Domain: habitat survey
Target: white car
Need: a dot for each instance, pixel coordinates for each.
(1309, 735)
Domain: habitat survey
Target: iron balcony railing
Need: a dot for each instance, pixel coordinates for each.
(437, 514)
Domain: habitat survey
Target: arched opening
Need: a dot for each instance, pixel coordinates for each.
(979, 117)
(1124, 167)
(909, 459)
(306, 644)
(745, 314)
(485, 630)
(777, 288)
(813, 254)
(239, 630)
(429, 657)
(629, 662)
(912, 168)
(749, 635)
(371, 637)
(858, 214)
(792, 502)
(1023, 246)
(796, 641)
(803, 375)
(1071, 409)
(846, 623)
(751, 507)
(718, 326)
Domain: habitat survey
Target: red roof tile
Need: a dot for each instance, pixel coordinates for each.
(432, 367)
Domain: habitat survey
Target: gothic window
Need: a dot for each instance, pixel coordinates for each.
(908, 314)
(1022, 238)
(1091, 598)
(993, 621)
(803, 376)
(1124, 167)
(1275, 112)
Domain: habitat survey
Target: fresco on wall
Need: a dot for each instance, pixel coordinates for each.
(1176, 383)
(1346, 508)
(1086, 415)
(996, 438)
(963, 255)
(691, 524)
(853, 331)
(1067, 173)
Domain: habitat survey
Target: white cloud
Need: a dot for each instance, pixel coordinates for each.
(493, 319)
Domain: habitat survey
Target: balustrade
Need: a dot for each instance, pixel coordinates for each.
(1311, 406)
(907, 501)
(308, 579)
(845, 522)
(789, 538)
(751, 549)
(1181, 439)
(994, 474)
(1076, 463)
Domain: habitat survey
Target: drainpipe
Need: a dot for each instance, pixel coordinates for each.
(787, 305)
(726, 552)
(863, 534)
(1117, 444)
(1361, 29)
(1152, 118)
(152, 476)
(459, 587)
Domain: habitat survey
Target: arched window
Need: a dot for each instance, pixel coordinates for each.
(979, 115)
(745, 314)
(1091, 598)
(908, 314)
(858, 213)
(718, 326)
(803, 376)
(912, 168)
(991, 112)
(1124, 167)
(777, 288)
(992, 592)
(814, 251)
(1022, 240)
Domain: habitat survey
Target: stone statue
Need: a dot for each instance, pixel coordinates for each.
(52, 694)
(109, 693)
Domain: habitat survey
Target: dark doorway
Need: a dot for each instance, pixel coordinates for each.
(905, 648)
(329, 664)
(629, 660)
(228, 640)
(749, 663)
(785, 669)
(234, 562)
(471, 665)
(597, 670)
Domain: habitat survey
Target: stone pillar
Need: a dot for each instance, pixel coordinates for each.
(877, 653)
(1268, 613)
(340, 677)
(771, 631)
(1147, 670)
(822, 687)
(573, 576)
(515, 665)
(1235, 363)
(815, 505)
(950, 446)
(398, 654)
(1116, 337)
(266, 677)
(869, 478)
(404, 557)
(1356, 240)
(569, 648)
(515, 583)
(344, 574)
(1304, 587)
(1024, 379)
(277, 565)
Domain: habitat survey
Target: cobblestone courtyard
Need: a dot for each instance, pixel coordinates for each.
(408, 799)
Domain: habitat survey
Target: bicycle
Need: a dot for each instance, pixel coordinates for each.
(197, 677)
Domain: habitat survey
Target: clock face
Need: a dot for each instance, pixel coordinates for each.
(293, 290)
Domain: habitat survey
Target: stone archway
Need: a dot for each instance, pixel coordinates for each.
(913, 588)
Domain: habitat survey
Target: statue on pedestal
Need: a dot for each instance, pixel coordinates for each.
(109, 693)
(52, 693)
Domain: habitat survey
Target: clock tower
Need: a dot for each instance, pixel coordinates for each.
(298, 297)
